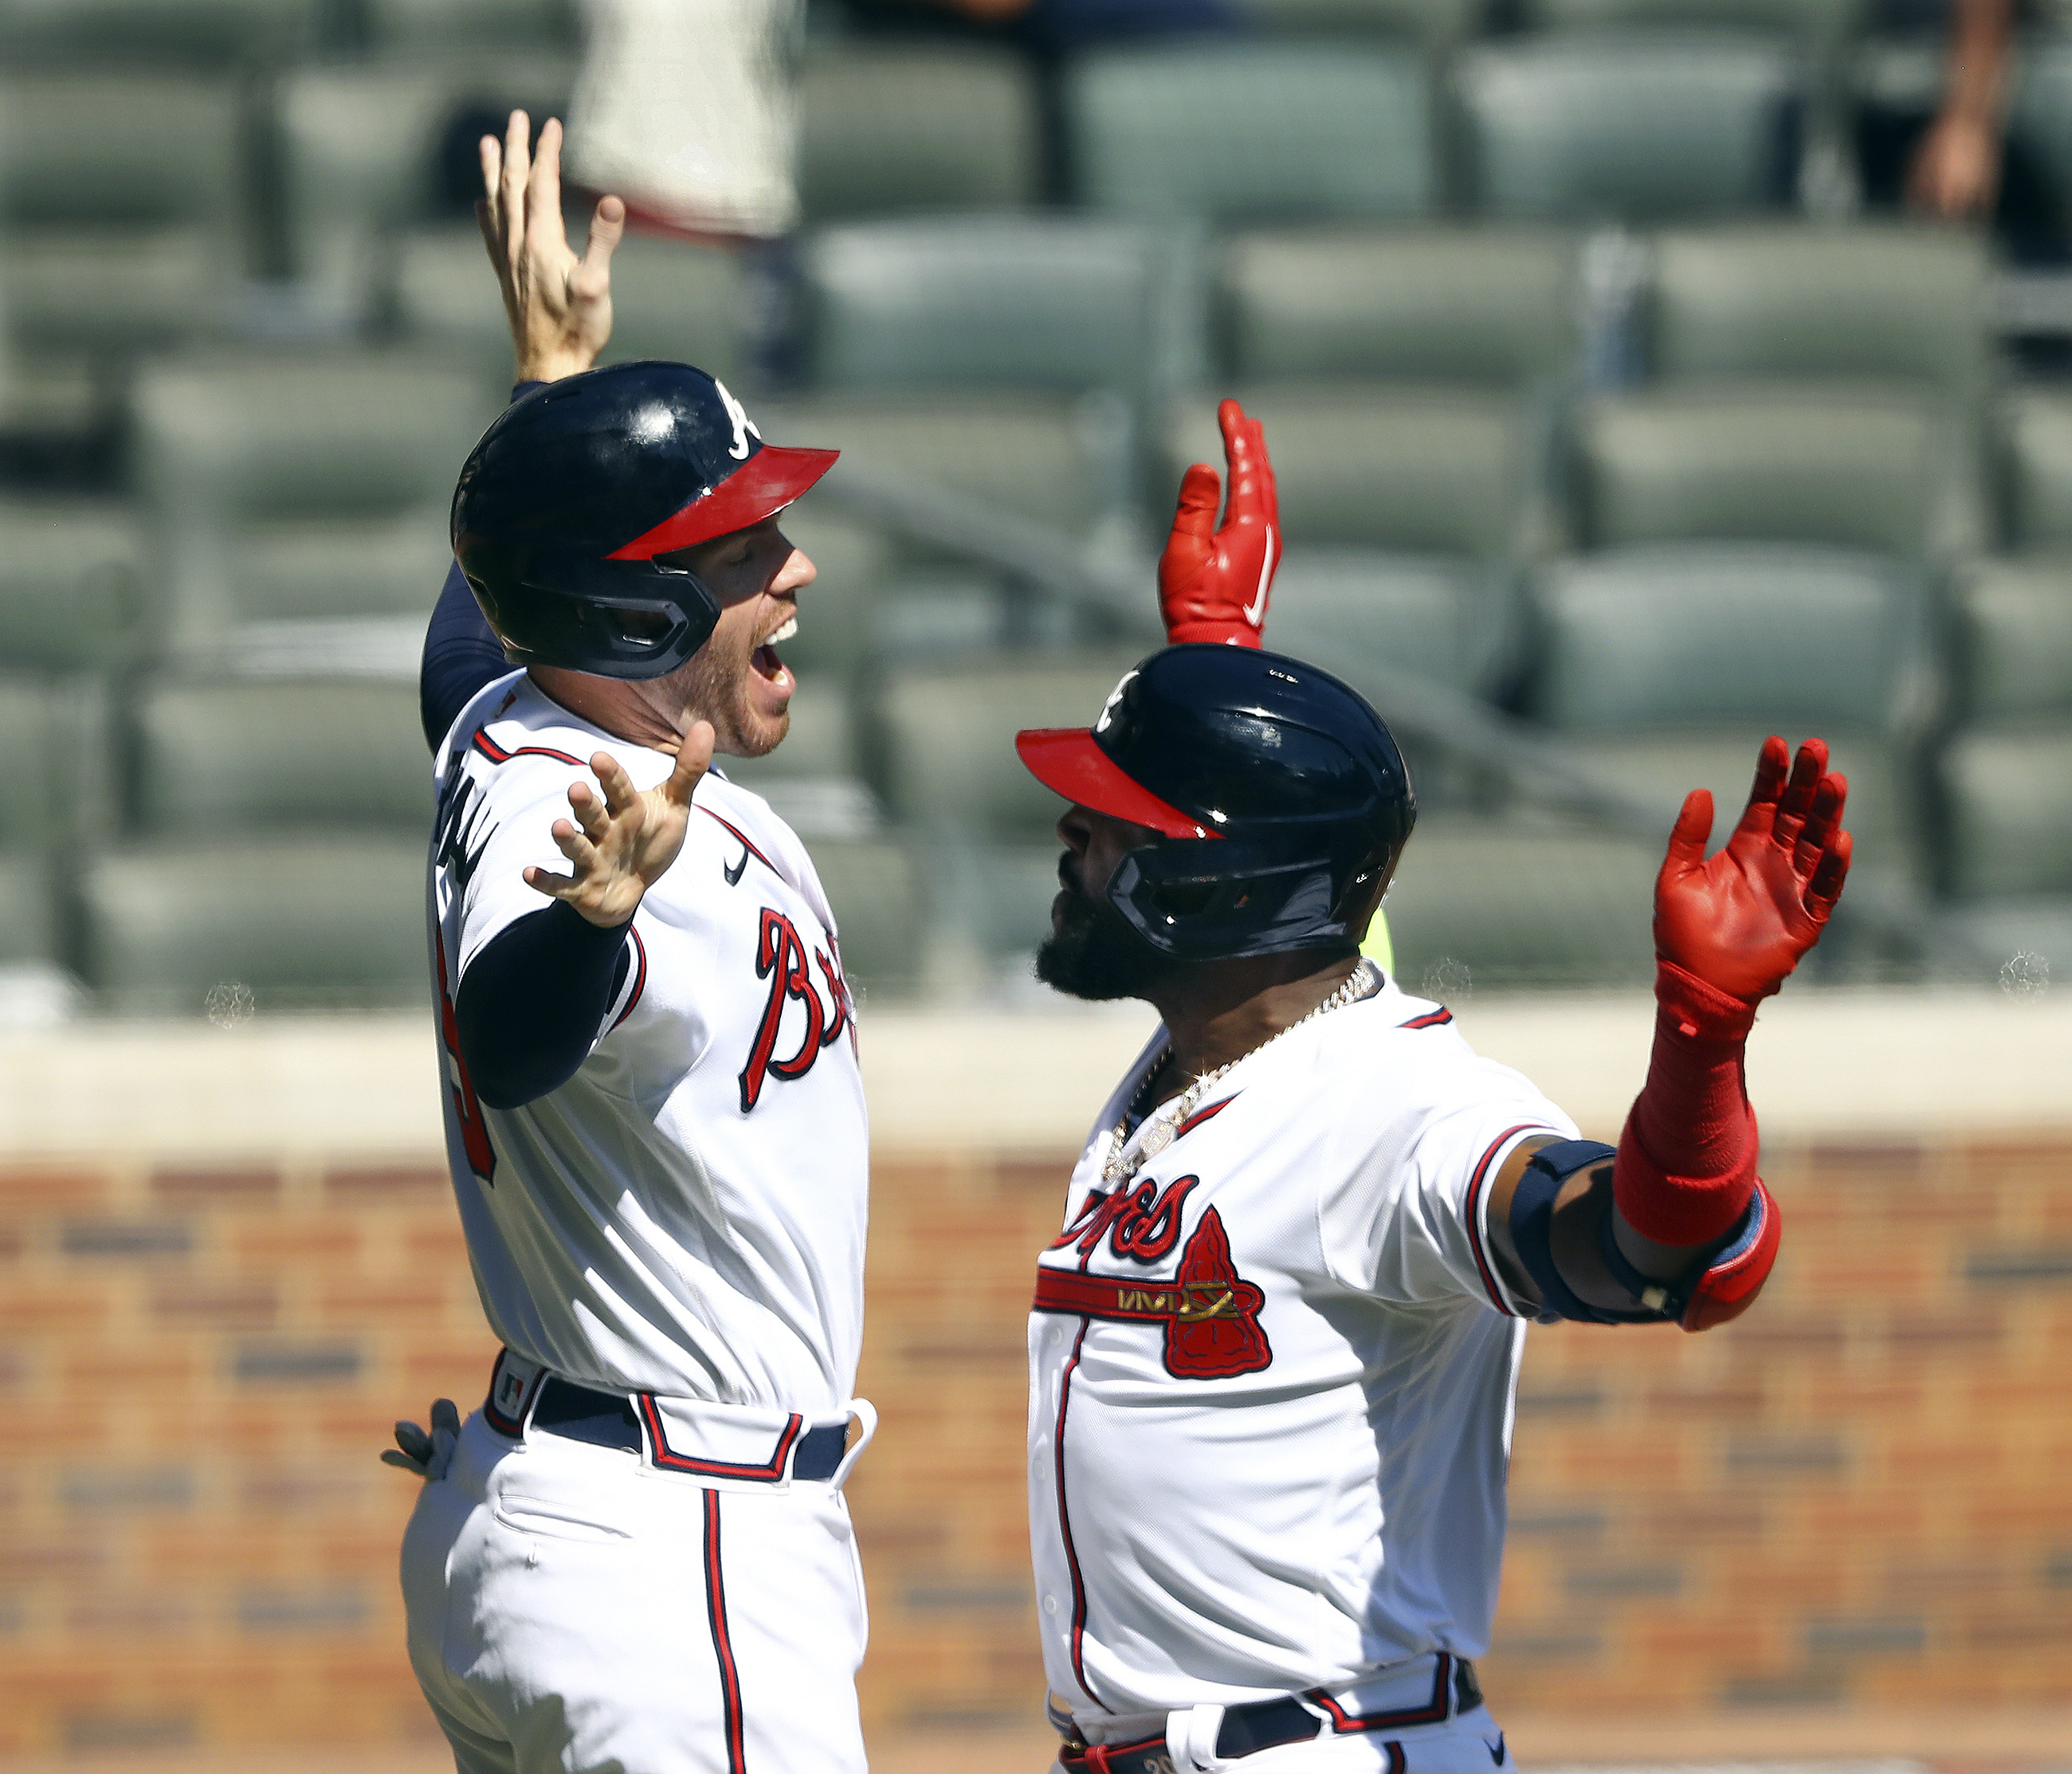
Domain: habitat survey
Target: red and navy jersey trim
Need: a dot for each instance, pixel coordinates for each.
(1431, 1019)
(1064, 1525)
(730, 1674)
(1476, 1183)
(495, 753)
(1201, 1115)
(665, 1457)
(1435, 1711)
(745, 844)
(640, 979)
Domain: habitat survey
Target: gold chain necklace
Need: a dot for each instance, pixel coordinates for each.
(1127, 1152)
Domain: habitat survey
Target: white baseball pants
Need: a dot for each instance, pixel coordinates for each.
(572, 1609)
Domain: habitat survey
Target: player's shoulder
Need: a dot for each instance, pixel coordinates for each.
(1416, 1031)
(515, 739)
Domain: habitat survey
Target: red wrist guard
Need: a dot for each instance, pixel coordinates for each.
(1686, 1165)
(1223, 634)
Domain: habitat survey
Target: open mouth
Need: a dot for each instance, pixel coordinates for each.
(765, 660)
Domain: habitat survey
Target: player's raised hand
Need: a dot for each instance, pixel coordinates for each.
(1213, 582)
(621, 844)
(559, 305)
(1740, 921)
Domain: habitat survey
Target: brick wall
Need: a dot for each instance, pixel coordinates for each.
(1855, 1495)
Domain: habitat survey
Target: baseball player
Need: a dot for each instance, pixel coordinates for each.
(1274, 1348)
(635, 1556)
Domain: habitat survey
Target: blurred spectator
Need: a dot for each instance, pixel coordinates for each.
(1952, 158)
(686, 109)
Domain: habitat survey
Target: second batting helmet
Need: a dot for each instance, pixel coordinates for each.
(571, 507)
(1279, 797)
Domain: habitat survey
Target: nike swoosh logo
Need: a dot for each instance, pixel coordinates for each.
(1255, 612)
(734, 875)
(1495, 1749)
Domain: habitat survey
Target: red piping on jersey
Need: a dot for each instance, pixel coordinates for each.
(495, 753)
(729, 1676)
(640, 978)
(1065, 1528)
(739, 833)
(1431, 1019)
(1434, 1712)
(1473, 1212)
(1201, 1115)
(771, 1468)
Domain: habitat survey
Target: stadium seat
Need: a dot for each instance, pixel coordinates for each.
(407, 26)
(73, 591)
(55, 796)
(1465, 917)
(2007, 794)
(887, 128)
(365, 148)
(1901, 303)
(2040, 103)
(2034, 433)
(2012, 635)
(303, 921)
(671, 300)
(1439, 620)
(159, 33)
(333, 463)
(30, 934)
(1486, 305)
(1882, 469)
(1248, 129)
(1595, 126)
(1410, 468)
(220, 756)
(1033, 455)
(1786, 639)
(1035, 302)
(1434, 23)
(880, 898)
(1816, 23)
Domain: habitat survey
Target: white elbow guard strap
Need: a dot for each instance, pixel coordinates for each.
(1721, 1285)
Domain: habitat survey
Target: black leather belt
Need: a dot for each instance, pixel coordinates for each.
(1267, 1724)
(606, 1419)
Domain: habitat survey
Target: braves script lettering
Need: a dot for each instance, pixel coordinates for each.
(783, 959)
(1142, 1224)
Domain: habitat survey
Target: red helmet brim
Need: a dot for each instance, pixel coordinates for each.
(1067, 761)
(761, 487)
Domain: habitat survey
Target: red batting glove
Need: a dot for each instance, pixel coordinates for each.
(1739, 921)
(1213, 583)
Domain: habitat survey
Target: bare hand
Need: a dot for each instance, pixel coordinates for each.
(1741, 921)
(1956, 170)
(628, 838)
(559, 305)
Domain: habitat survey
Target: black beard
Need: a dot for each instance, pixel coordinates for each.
(1094, 953)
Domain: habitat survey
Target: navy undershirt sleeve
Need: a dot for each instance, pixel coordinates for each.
(462, 651)
(530, 1004)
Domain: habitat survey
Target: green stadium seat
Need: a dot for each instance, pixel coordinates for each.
(1441, 621)
(1434, 23)
(889, 128)
(1594, 126)
(2034, 434)
(1031, 453)
(360, 148)
(1884, 469)
(2039, 111)
(2007, 794)
(1035, 302)
(880, 898)
(1414, 469)
(161, 33)
(2012, 625)
(224, 756)
(301, 921)
(1898, 302)
(280, 486)
(1466, 917)
(400, 27)
(30, 934)
(74, 595)
(1789, 639)
(1816, 23)
(1250, 129)
(55, 796)
(669, 300)
(1486, 305)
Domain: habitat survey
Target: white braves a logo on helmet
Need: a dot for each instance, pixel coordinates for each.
(744, 427)
(1114, 697)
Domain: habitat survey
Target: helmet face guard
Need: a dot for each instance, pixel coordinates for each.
(1279, 799)
(569, 506)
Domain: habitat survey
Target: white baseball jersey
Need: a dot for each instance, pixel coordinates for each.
(1272, 1375)
(685, 1216)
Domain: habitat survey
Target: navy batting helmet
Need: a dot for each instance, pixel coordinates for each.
(1279, 795)
(569, 510)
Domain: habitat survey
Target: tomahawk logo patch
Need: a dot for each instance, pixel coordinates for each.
(1225, 1338)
